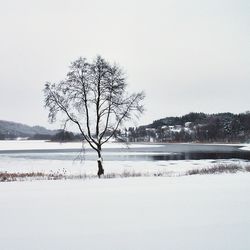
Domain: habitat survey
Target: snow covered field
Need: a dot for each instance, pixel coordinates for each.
(191, 213)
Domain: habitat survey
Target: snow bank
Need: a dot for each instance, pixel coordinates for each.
(191, 213)
(245, 147)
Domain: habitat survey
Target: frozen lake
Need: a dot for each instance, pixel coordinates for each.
(35, 156)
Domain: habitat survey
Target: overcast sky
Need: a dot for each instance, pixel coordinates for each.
(186, 55)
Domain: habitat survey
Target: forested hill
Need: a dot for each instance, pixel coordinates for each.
(235, 121)
(13, 129)
(197, 127)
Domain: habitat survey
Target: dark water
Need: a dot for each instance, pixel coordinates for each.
(164, 152)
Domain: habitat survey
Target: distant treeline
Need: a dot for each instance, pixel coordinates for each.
(65, 136)
(199, 127)
(193, 127)
(60, 136)
(13, 130)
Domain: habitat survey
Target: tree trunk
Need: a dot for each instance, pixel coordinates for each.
(100, 167)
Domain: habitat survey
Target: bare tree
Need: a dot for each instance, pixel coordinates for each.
(94, 98)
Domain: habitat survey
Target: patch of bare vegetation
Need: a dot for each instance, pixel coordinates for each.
(217, 169)
(247, 168)
(5, 176)
(126, 174)
(9, 177)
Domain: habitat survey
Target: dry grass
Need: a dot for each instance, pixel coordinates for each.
(9, 177)
(5, 176)
(216, 169)
(247, 168)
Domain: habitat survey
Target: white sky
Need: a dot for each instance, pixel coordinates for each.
(186, 55)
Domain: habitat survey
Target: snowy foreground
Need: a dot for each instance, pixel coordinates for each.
(203, 212)
(192, 212)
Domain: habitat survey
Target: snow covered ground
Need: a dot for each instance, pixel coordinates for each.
(188, 212)
(191, 213)
(245, 147)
